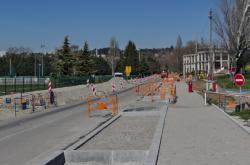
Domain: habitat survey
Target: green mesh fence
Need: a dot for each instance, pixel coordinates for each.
(10, 85)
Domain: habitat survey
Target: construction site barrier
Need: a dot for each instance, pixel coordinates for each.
(168, 90)
(102, 103)
(148, 89)
(228, 101)
(26, 103)
(165, 90)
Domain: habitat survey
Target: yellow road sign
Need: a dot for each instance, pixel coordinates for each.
(128, 70)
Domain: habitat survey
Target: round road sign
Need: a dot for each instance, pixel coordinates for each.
(239, 80)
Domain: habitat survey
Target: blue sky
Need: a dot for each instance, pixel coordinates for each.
(149, 23)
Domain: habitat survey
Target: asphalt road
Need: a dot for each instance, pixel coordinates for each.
(23, 141)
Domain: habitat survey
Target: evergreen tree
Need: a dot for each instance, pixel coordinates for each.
(66, 46)
(132, 57)
(101, 66)
(85, 62)
(144, 67)
(65, 60)
(154, 66)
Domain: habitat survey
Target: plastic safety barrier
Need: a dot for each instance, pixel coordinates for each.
(148, 89)
(168, 89)
(103, 103)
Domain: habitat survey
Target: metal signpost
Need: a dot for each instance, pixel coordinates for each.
(239, 81)
(233, 71)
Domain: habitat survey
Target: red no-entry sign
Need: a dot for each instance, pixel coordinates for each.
(239, 80)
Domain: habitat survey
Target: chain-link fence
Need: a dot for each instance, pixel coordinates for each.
(234, 104)
(9, 85)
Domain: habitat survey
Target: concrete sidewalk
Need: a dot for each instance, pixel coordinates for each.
(195, 134)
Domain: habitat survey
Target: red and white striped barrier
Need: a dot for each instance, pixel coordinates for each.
(113, 86)
(93, 88)
(121, 84)
(49, 86)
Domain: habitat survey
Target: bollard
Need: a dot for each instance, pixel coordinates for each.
(214, 86)
(190, 87)
(205, 98)
(33, 101)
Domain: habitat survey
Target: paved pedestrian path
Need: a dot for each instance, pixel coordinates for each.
(195, 134)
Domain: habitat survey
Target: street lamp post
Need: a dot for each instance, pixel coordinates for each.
(211, 61)
(35, 67)
(43, 47)
(39, 70)
(10, 67)
(139, 61)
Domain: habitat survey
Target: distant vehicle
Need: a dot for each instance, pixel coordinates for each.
(118, 74)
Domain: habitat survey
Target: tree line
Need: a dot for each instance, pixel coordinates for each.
(66, 61)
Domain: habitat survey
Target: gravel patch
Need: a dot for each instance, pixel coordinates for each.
(127, 133)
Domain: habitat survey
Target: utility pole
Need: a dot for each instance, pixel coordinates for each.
(10, 67)
(211, 63)
(139, 61)
(35, 67)
(177, 62)
(39, 66)
(196, 57)
(114, 54)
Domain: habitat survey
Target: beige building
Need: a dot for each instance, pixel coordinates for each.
(199, 62)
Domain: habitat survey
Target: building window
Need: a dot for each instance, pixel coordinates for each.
(217, 65)
(217, 57)
(224, 57)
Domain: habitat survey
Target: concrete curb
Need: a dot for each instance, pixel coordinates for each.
(93, 133)
(58, 157)
(111, 157)
(235, 121)
(154, 149)
(151, 155)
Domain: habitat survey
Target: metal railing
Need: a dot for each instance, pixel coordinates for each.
(11, 85)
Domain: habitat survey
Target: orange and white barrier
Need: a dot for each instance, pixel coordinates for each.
(103, 103)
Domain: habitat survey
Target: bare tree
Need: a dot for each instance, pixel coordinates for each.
(113, 55)
(232, 26)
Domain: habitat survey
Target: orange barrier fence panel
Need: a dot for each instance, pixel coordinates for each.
(102, 106)
(231, 104)
(148, 89)
(110, 104)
